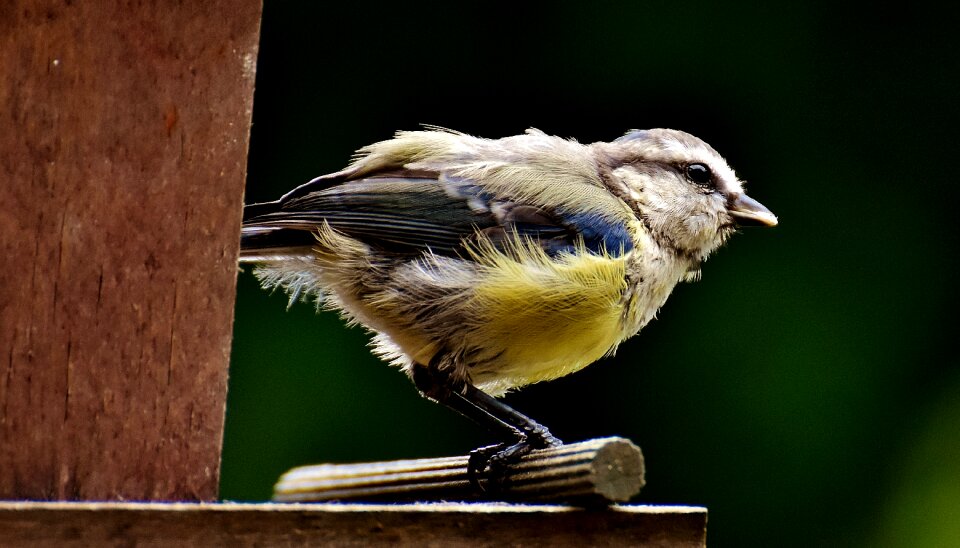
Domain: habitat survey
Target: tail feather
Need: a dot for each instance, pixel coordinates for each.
(258, 244)
(264, 243)
(252, 211)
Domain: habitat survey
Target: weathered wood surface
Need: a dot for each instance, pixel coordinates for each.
(598, 471)
(122, 162)
(92, 524)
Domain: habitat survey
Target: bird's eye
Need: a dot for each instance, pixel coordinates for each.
(700, 174)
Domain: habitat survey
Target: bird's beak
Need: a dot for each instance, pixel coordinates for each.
(748, 212)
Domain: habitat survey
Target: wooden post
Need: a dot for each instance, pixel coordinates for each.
(122, 160)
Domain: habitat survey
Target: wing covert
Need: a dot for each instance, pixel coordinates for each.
(415, 211)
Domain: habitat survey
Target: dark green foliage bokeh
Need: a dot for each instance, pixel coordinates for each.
(805, 390)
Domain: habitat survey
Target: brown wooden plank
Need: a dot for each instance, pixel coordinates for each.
(122, 163)
(91, 524)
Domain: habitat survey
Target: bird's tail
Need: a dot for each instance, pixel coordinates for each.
(262, 241)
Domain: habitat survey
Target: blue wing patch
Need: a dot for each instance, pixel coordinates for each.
(599, 233)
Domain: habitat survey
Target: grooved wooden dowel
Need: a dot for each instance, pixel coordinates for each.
(594, 471)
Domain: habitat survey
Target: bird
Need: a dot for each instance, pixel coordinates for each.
(481, 265)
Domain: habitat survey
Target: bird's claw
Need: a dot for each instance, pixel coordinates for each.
(478, 465)
(487, 467)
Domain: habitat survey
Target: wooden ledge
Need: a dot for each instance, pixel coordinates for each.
(270, 524)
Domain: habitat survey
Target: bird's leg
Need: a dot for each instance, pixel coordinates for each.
(523, 433)
(528, 435)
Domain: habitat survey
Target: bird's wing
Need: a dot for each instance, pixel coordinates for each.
(410, 211)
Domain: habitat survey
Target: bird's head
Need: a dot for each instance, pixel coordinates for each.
(680, 188)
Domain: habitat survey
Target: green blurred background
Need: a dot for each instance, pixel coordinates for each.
(806, 390)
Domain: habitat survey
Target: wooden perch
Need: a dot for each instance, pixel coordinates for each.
(596, 471)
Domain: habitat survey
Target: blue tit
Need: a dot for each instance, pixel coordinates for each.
(484, 265)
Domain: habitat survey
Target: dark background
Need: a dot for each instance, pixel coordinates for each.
(806, 390)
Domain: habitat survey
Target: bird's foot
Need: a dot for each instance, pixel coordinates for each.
(487, 467)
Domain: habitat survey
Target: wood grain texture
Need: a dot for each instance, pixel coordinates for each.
(122, 161)
(493, 525)
(593, 472)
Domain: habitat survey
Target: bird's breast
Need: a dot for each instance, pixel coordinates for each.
(542, 320)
